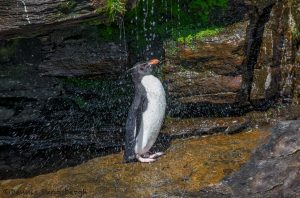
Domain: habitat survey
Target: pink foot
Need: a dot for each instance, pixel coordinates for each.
(145, 160)
(156, 155)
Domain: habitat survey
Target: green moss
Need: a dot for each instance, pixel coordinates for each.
(195, 35)
(169, 120)
(80, 102)
(112, 9)
(8, 50)
(67, 7)
(107, 33)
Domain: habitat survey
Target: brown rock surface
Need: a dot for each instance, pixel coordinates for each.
(188, 165)
(273, 170)
(207, 70)
(204, 126)
(222, 54)
(277, 55)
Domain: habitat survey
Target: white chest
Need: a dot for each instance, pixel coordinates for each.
(153, 86)
(153, 116)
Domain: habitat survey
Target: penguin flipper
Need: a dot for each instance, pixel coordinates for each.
(133, 124)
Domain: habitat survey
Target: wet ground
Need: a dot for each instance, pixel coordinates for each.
(189, 165)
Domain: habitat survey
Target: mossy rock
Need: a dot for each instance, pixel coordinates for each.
(67, 7)
(8, 50)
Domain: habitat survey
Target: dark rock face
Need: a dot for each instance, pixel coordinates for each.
(81, 52)
(273, 170)
(26, 17)
(32, 99)
(276, 66)
(43, 107)
(31, 17)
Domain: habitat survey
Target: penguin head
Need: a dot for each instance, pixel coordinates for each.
(145, 68)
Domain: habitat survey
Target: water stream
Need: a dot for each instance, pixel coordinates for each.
(26, 11)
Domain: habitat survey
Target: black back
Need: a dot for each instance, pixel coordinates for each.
(137, 108)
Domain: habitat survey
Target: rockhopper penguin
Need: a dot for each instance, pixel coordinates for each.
(146, 114)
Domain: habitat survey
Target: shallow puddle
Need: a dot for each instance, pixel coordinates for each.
(189, 165)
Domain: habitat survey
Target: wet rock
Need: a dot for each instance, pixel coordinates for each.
(188, 165)
(222, 53)
(202, 126)
(276, 61)
(44, 105)
(207, 70)
(188, 83)
(273, 170)
(82, 52)
(255, 30)
(24, 18)
(274, 115)
(296, 91)
(260, 4)
(31, 88)
(6, 113)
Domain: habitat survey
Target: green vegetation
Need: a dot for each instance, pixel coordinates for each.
(179, 20)
(80, 102)
(8, 50)
(107, 33)
(190, 36)
(67, 7)
(113, 8)
(169, 120)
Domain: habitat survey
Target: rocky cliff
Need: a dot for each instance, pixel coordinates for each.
(247, 64)
(33, 17)
(63, 69)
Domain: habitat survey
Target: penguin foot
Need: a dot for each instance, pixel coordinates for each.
(145, 160)
(156, 155)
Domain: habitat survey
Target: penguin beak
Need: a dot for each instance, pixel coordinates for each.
(153, 62)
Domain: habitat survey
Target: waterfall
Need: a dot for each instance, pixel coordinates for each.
(178, 12)
(26, 11)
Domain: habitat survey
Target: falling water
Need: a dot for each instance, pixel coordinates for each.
(152, 34)
(172, 17)
(122, 38)
(123, 35)
(146, 26)
(178, 13)
(166, 6)
(136, 32)
(26, 11)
